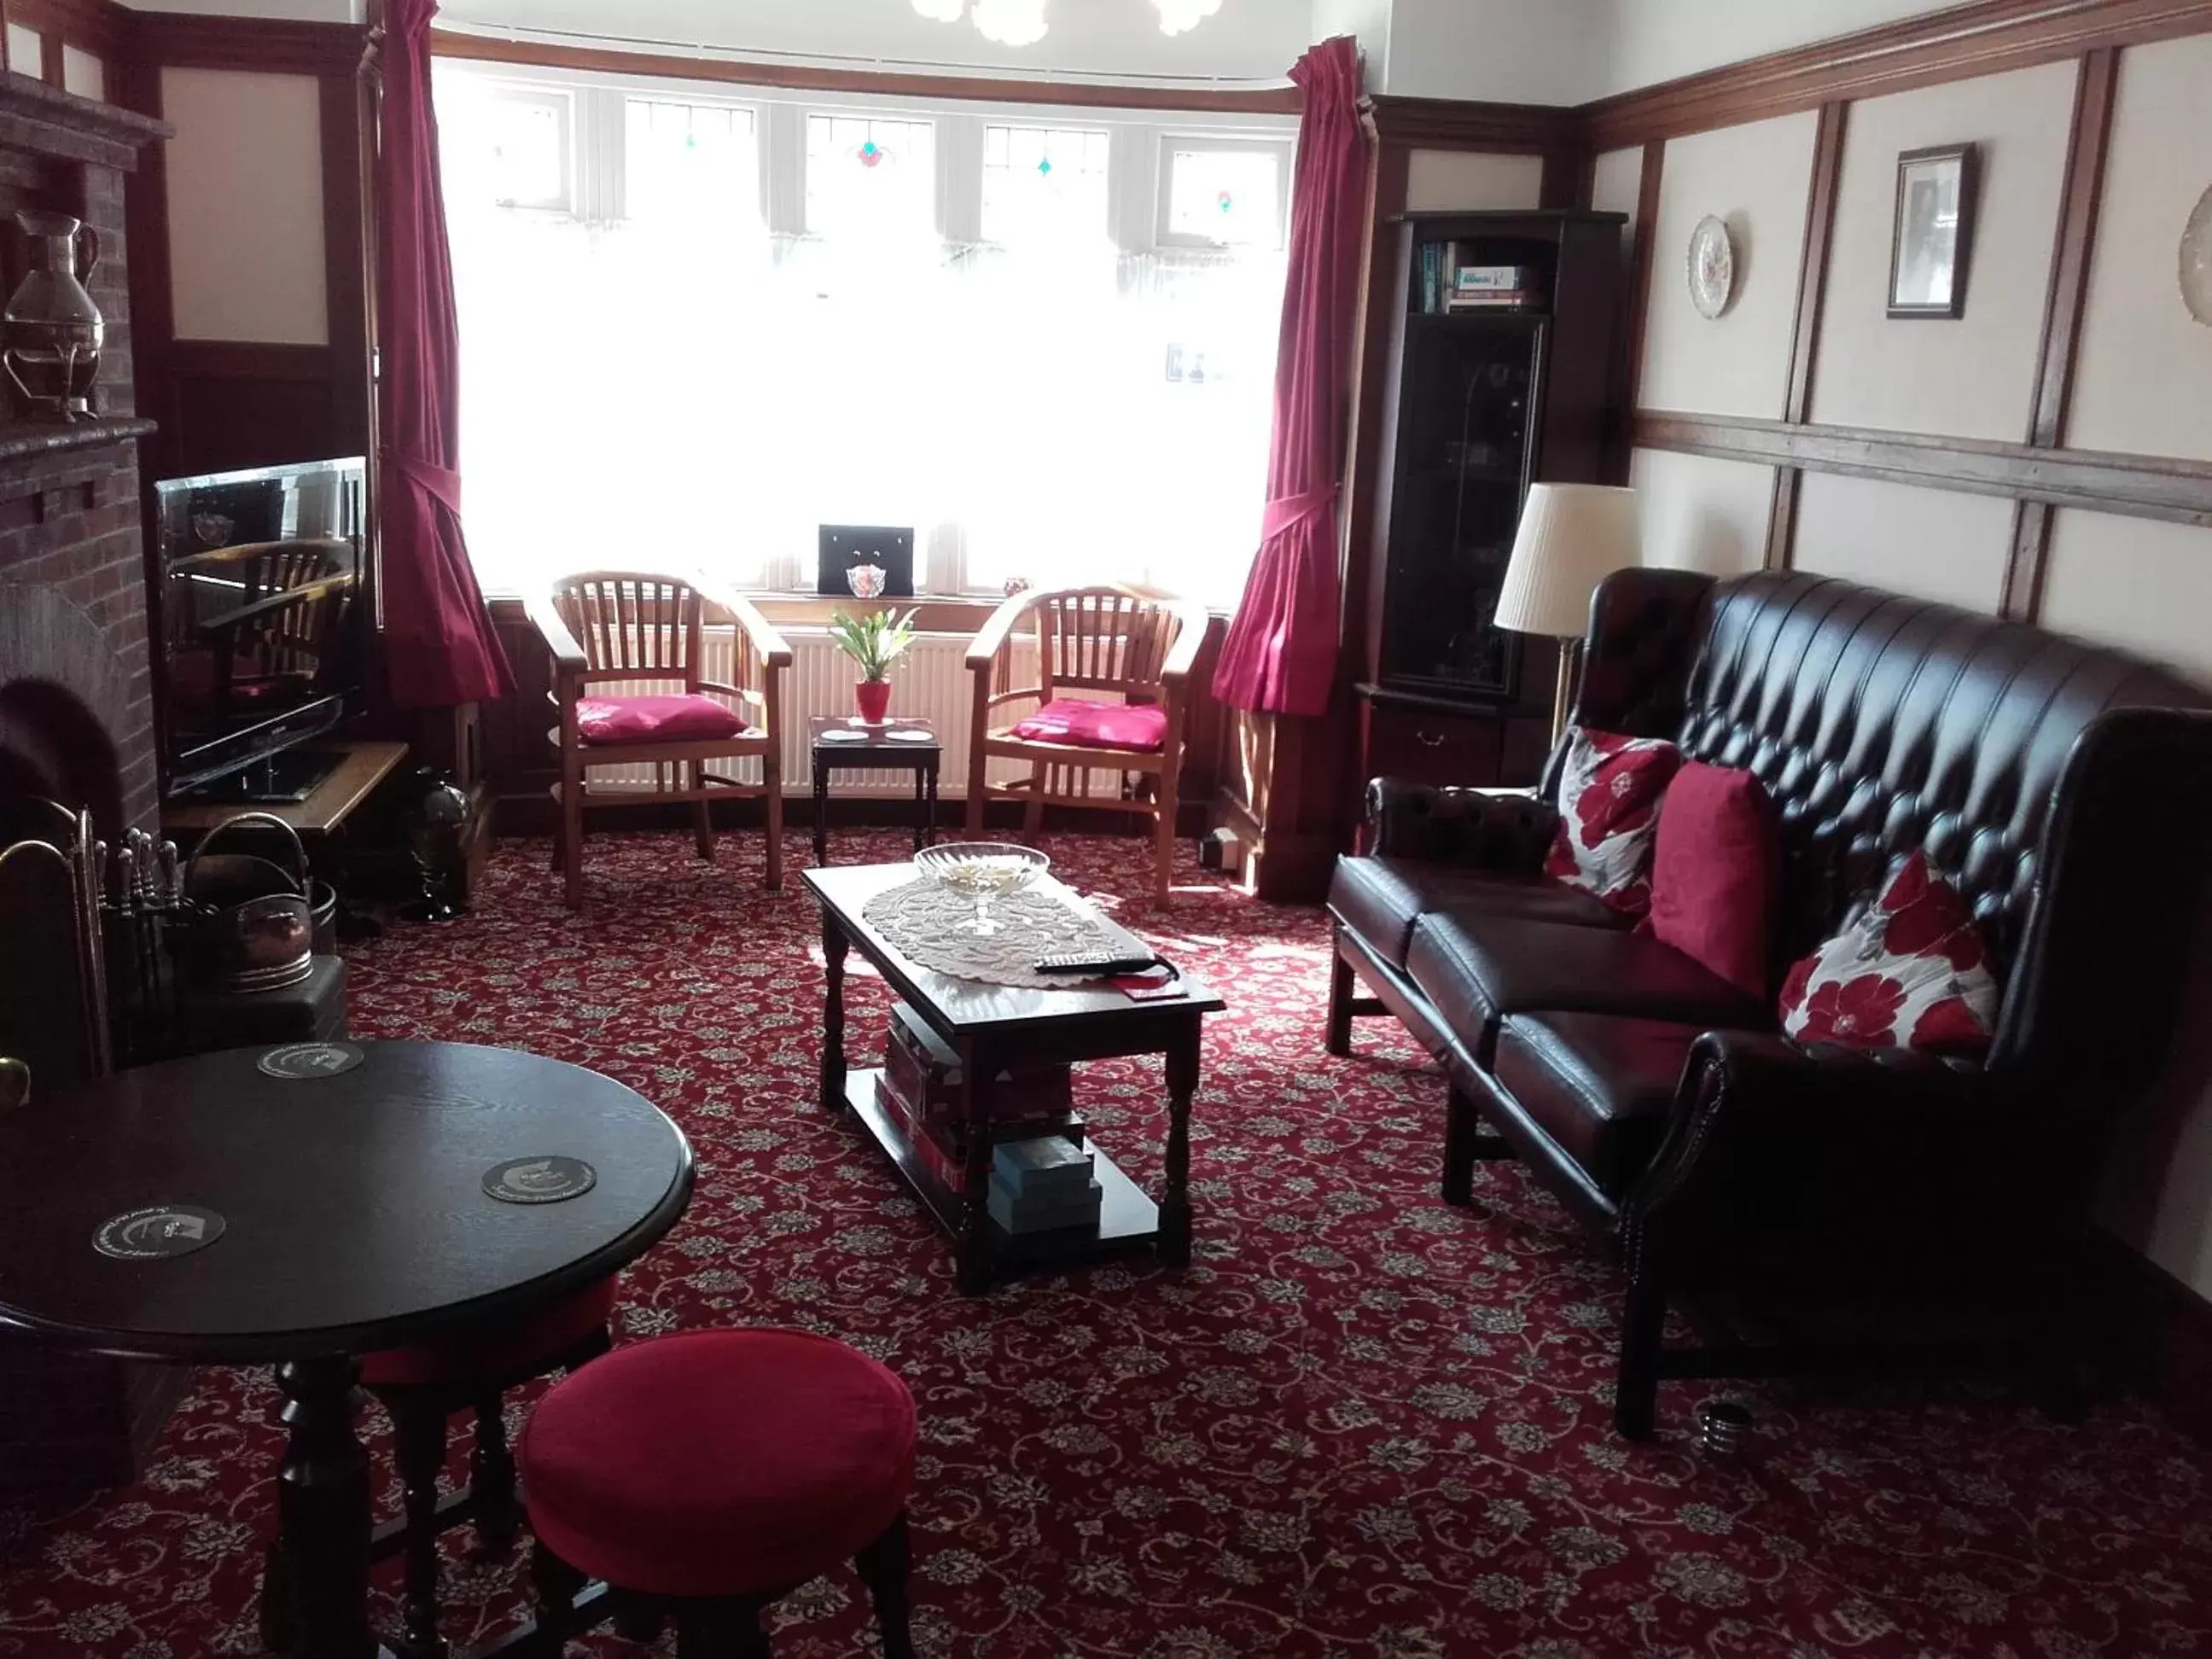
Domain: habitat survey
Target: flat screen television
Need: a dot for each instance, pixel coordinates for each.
(262, 614)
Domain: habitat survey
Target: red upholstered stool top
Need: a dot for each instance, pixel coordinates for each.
(718, 1463)
(518, 1349)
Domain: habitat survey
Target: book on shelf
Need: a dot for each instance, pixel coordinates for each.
(1495, 300)
(1045, 1171)
(1482, 279)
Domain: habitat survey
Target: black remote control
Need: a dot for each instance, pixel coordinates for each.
(1093, 965)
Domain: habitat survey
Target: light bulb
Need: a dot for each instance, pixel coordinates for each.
(941, 11)
(1011, 22)
(1181, 16)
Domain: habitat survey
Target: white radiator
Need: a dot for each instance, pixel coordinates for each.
(930, 683)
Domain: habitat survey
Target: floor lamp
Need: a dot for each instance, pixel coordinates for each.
(1572, 538)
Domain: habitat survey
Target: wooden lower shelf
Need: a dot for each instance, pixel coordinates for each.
(1127, 1219)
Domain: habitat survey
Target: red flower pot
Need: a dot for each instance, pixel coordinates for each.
(874, 697)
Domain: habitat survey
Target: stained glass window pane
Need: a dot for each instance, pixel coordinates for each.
(877, 177)
(1043, 183)
(1231, 198)
(695, 161)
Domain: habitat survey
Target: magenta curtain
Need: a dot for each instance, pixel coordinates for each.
(1279, 656)
(439, 647)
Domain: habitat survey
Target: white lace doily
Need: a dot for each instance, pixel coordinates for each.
(928, 924)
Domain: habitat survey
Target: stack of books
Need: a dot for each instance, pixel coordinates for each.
(1493, 288)
(1042, 1186)
(1452, 281)
(920, 1088)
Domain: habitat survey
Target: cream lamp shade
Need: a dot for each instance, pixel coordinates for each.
(1572, 536)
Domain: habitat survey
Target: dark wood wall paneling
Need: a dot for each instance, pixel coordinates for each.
(1965, 42)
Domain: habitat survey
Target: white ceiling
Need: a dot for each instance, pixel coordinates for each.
(1542, 51)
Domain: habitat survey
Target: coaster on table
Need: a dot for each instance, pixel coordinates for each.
(843, 734)
(912, 734)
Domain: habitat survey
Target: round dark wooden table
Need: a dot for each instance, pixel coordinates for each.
(353, 1218)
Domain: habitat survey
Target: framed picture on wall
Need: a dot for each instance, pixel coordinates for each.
(1933, 233)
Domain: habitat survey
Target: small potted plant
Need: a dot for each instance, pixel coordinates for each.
(875, 640)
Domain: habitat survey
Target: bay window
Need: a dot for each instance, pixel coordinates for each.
(698, 323)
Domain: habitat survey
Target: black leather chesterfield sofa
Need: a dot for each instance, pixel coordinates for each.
(1812, 1207)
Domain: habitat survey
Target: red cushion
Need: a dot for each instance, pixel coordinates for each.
(1714, 868)
(518, 1348)
(1081, 724)
(1609, 795)
(1909, 971)
(655, 719)
(718, 1462)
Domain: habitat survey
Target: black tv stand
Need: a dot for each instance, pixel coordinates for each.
(285, 778)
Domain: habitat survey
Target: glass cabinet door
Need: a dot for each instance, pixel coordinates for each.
(1465, 441)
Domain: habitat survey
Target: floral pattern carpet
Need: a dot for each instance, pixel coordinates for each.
(1362, 1423)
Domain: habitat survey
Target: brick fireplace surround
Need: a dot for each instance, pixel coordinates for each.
(76, 696)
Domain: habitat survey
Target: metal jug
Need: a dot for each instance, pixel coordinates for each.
(251, 919)
(53, 330)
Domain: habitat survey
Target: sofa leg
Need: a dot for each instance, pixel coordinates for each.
(1461, 1131)
(1643, 1327)
(1340, 989)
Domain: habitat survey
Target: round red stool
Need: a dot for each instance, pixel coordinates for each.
(709, 1473)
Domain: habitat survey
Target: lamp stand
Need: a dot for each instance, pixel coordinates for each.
(1562, 695)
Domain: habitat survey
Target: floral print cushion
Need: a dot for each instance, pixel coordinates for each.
(1910, 972)
(1609, 796)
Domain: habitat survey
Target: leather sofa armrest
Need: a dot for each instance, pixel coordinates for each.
(1820, 1163)
(1508, 831)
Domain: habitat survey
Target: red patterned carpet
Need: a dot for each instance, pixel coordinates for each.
(1362, 1423)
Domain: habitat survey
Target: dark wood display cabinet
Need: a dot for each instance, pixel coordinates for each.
(1487, 389)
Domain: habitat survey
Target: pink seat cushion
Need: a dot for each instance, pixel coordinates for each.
(1083, 725)
(718, 1462)
(517, 1348)
(655, 719)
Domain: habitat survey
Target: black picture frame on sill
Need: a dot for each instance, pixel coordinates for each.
(1932, 236)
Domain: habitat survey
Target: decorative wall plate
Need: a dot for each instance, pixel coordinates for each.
(1712, 267)
(2196, 260)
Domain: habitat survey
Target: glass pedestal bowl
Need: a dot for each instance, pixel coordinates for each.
(983, 872)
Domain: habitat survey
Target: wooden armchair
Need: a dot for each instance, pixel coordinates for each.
(623, 629)
(1135, 645)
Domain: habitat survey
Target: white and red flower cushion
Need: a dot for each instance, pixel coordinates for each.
(1609, 796)
(1911, 972)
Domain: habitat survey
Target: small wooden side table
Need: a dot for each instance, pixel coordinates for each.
(896, 746)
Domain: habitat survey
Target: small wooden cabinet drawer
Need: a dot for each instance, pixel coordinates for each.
(1431, 745)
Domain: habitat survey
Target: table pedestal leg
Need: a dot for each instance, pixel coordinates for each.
(834, 947)
(972, 1250)
(322, 1509)
(1175, 1201)
(821, 811)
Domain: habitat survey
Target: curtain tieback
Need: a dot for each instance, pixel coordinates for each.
(442, 482)
(1287, 513)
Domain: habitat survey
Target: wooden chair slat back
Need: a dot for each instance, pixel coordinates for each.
(633, 623)
(1105, 639)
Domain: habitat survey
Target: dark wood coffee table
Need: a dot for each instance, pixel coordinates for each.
(995, 1026)
(355, 1218)
(872, 748)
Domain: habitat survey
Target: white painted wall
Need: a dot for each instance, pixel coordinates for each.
(1521, 51)
(1973, 377)
(246, 206)
(1655, 41)
(1697, 512)
(1452, 180)
(1932, 544)
(1756, 179)
(2141, 384)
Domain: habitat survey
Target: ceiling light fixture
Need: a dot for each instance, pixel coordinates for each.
(1021, 22)
(1011, 22)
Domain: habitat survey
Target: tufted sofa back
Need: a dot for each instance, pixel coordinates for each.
(1882, 724)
